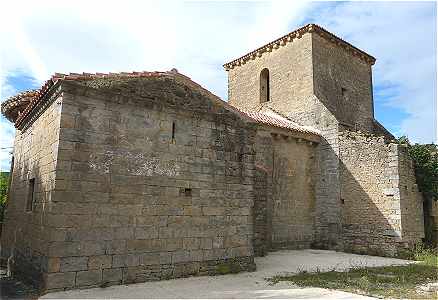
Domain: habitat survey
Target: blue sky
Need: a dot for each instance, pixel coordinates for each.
(197, 37)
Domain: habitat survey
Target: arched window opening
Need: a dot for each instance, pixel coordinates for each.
(264, 86)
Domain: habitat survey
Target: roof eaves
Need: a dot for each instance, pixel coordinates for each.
(40, 94)
(297, 34)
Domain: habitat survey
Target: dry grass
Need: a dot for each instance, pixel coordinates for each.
(390, 281)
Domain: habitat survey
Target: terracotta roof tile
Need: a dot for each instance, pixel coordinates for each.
(76, 76)
(268, 118)
(11, 107)
(274, 119)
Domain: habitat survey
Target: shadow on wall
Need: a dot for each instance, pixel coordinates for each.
(22, 238)
(363, 216)
(361, 208)
(284, 182)
(371, 224)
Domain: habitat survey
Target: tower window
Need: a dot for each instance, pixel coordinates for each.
(30, 195)
(264, 86)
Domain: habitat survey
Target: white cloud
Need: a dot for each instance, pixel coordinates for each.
(89, 36)
(6, 128)
(6, 140)
(402, 36)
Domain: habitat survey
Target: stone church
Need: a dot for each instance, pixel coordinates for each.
(130, 177)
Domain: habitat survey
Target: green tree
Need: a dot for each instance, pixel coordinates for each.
(4, 179)
(425, 158)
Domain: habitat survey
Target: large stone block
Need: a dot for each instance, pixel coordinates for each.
(99, 262)
(60, 280)
(125, 260)
(148, 232)
(88, 278)
(78, 263)
(63, 249)
(53, 264)
(89, 248)
(112, 275)
(115, 247)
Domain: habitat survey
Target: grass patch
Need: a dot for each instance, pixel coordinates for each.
(390, 281)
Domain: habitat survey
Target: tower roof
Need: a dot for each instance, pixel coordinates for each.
(296, 34)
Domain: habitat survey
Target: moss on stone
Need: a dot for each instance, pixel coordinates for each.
(228, 268)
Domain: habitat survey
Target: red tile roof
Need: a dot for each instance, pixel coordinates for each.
(274, 119)
(271, 119)
(12, 107)
(76, 76)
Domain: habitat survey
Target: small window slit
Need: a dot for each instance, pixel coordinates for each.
(173, 132)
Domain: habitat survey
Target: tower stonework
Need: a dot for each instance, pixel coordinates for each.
(321, 81)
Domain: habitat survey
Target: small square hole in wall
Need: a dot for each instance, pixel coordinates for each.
(344, 93)
(342, 201)
(188, 192)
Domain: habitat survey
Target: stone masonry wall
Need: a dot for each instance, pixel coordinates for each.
(291, 68)
(315, 83)
(411, 200)
(431, 222)
(290, 77)
(263, 193)
(25, 234)
(343, 84)
(134, 203)
(378, 216)
(293, 203)
(284, 207)
(343, 89)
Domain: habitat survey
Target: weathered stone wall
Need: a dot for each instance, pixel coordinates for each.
(343, 84)
(343, 91)
(411, 200)
(291, 70)
(263, 193)
(431, 222)
(328, 208)
(134, 204)
(290, 77)
(316, 83)
(25, 234)
(379, 215)
(284, 209)
(293, 205)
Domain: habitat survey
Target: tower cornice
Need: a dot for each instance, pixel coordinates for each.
(297, 34)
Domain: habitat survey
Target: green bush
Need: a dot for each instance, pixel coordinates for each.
(4, 179)
(425, 157)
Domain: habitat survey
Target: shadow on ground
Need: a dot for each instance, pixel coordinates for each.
(12, 288)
